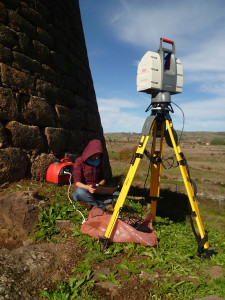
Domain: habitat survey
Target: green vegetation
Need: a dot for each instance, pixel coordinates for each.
(77, 287)
(218, 141)
(170, 270)
(181, 274)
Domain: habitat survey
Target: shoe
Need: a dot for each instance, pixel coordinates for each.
(86, 205)
(109, 207)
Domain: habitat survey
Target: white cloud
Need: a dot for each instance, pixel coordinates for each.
(202, 115)
(209, 109)
(184, 21)
(120, 115)
(197, 27)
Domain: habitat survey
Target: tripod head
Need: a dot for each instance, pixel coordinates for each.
(161, 75)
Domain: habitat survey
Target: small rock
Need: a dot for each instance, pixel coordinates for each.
(111, 288)
(148, 276)
(66, 225)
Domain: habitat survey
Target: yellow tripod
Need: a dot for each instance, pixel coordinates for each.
(157, 121)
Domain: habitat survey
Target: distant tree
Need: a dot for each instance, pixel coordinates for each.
(218, 141)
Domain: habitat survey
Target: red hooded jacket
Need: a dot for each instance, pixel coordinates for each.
(85, 173)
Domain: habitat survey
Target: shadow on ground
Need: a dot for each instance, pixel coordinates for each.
(172, 205)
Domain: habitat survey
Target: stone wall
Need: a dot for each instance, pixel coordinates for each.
(48, 106)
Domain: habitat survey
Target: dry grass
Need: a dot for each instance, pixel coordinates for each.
(206, 164)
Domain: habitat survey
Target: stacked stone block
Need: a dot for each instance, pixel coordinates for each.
(48, 107)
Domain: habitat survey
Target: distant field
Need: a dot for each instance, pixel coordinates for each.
(206, 163)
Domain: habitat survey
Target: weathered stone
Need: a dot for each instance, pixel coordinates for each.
(37, 112)
(13, 165)
(40, 165)
(70, 83)
(111, 290)
(57, 32)
(3, 14)
(69, 100)
(64, 225)
(76, 62)
(68, 118)
(20, 210)
(64, 116)
(49, 91)
(82, 78)
(78, 119)
(18, 23)
(45, 38)
(25, 43)
(45, 80)
(93, 107)
(8, 36)
(76, 142)
(28, 270)
(33, 17)
(18, 214)
(81, 103)
(57, 139)
(14, 78)
(41, 7)
(25, 136)
(8, 105)
(41, 52)
(92, 121)
(11, 4)
(50, 75)
(27, 63)
(6, 55)
(58, 62)
(3, 136)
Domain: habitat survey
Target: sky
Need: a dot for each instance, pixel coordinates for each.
(118, 33)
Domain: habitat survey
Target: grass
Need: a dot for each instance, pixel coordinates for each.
(174, 258)
(172, 269)
(182, 273)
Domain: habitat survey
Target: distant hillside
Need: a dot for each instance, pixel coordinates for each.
(202, 137)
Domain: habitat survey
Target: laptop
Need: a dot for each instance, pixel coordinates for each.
(105, 189)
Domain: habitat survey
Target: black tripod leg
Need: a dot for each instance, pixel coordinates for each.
(156, 167)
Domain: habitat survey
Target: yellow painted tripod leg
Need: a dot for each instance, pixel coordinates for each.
(187, 183)
(127, 184)
(156, 167)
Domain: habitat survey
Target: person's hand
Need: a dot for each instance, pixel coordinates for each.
(91, 189)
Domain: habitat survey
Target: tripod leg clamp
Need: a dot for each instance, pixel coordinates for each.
(136, 155)
(154, 198)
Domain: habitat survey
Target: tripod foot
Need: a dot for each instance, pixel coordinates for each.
(104, 242)
(207, 253)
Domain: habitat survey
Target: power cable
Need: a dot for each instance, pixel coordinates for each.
(167, 160)
(68, 194)
(183, 119)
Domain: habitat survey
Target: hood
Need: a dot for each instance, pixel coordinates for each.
(94, 146)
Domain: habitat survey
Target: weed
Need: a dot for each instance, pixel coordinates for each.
(76, 288)
(111, 277)
(175, 259)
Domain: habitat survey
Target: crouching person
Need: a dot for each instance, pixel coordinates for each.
(89, 171)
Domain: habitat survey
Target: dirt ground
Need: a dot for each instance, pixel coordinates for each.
(206, 164)
(28, 267)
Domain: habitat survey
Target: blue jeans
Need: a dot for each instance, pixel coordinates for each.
(100, 201)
